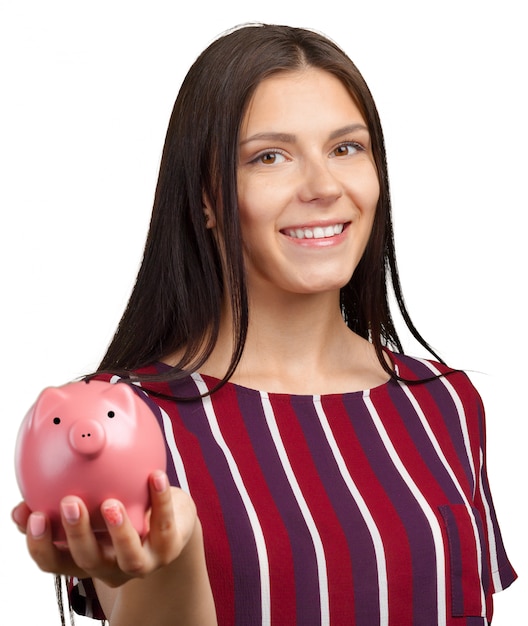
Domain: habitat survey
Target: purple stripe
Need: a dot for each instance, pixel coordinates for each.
(485, 575)
(359, 539)
(445, 403)
(422, 441)
(442, 398)
(240, 534)
(303, 553)
(455, 553)
(170, 469)
(412, 517)
(506, 572)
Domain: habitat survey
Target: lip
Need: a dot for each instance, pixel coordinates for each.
(311, 241)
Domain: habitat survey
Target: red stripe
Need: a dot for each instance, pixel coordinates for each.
(406, 449)
(436, 417)
(466, 584)
(205, 496)
(386, 517)
(278, 548)
(471, 584)
(336, 550)
(436, 420)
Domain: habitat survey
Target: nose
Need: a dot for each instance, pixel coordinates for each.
(87, 437)
(318, 182)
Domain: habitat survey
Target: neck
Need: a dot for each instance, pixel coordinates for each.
(297, 344)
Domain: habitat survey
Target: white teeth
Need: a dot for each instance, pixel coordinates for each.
(318, 232)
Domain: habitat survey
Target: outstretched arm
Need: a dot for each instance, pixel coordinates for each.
(160, 580)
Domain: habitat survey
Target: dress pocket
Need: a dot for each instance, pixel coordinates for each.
(468, 562)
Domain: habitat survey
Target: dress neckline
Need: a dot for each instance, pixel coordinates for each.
(211, 381)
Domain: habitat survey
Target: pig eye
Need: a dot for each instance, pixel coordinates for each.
(111, 414)
(56, 420)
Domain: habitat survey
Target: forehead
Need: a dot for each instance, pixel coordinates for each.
(300, 95)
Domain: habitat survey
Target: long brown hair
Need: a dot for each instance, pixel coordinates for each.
(177, 299)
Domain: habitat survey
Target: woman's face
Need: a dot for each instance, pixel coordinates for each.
(307, 184)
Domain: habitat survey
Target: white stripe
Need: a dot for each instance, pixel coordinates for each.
(175, 453)
(379, 550)
(303, 506)
(424, 505)
(497, 582)
(252, 515)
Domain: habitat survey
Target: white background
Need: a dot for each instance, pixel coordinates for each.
(86, 93)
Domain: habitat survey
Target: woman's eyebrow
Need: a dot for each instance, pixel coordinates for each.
(350, 128)
(283, 137)
(290, 138)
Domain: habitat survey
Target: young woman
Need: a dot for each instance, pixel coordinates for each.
(317, 474)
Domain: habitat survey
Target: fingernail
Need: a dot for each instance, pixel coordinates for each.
(37, 525)
(160, 482)
(112, 513)
(71, 511)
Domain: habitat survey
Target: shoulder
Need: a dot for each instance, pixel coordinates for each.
(446, 399)
(415, 370)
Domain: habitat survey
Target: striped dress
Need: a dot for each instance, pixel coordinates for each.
(366, 508)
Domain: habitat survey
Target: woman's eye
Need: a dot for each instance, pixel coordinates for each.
(270, 158)
(346, 149)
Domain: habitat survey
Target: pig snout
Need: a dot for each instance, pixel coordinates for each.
(87, 437)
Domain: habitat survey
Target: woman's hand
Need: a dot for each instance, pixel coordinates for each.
(171, 524)
(165, 572)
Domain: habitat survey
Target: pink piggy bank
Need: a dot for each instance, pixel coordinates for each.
(95, 440)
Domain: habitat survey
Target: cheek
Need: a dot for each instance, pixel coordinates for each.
(249, 218)
(257, 208)
(262, 197)
(367, 193)
(251, 225)
(248, 207)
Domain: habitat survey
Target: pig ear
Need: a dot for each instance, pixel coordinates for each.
(48, 400)
(122, 395)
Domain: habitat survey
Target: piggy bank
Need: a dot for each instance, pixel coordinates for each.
(95, 440)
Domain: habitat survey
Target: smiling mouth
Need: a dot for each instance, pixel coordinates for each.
(317, 232)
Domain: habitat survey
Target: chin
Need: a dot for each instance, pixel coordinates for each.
(322, 286)
(322, 283)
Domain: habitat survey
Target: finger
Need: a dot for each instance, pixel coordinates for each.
(173, 515)
(162, 520)
(42, 549)
(129, 553)
(80, 538)
(39, 543)
(92, 554)
(20, 515)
